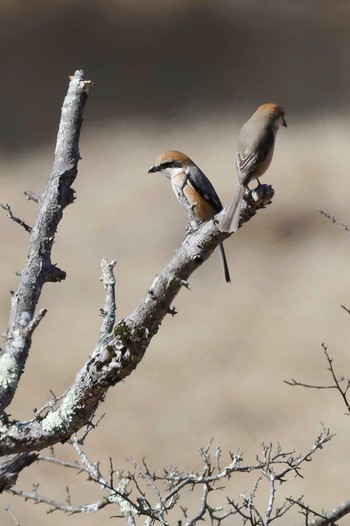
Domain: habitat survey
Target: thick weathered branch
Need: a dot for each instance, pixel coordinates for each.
(253, 200)
(39, 268)
(327, 518)
(333, 515)
(12, 465)
(115, 358)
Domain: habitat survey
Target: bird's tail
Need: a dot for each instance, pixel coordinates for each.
(224, 263)
(231, 219)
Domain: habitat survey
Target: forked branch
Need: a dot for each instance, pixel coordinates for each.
(118, 350)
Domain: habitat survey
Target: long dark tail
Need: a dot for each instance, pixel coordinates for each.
(231, 220)
(224, 263)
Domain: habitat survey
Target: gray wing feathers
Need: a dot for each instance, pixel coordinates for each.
(246, 166)
(254, 146)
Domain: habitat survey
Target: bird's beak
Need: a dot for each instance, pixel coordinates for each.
(284, 122)
(153, 169)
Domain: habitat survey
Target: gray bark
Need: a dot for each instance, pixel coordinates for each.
(39, 268)
(11, 466)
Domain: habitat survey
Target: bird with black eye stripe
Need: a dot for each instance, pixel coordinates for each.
(189, 182)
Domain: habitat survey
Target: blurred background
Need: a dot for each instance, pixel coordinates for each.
(183, 74)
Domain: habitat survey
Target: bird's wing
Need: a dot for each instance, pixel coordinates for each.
(259, 149)
(247, 164)
(204, 187)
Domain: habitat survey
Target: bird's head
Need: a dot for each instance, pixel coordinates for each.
(171, 163)
(273, 113)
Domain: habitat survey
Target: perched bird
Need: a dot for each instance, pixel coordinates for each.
(256, 143)
(192, 186)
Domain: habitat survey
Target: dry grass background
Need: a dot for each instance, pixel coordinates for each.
(216, 370)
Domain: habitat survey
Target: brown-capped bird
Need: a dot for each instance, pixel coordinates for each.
(188, 181)
(256, 143)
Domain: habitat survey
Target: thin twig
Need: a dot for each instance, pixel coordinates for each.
(49, 404)
(31, 196)
(336, 381)
(117, 495)
(15, 520)
(274, 465)
(89, 427)
(35, 321)
(26, 227)
(60, 462)
(54, 505)
(342, 226)
(295, 383)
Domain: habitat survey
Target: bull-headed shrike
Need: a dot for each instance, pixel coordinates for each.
(256, 143)
(191, 187)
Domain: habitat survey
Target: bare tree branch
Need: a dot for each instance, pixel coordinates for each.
(254, 200)
(35, 322)
(7, 207)
(331, 516)
(15, 520)
(39, 268)
(12, 465)
(118, 352)
(117, 356)
(202, 509)
(144, 493)
(342, 226)
(31, 196)
(326, 518)
(109, 309)
(54, 505)
(341, 384)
